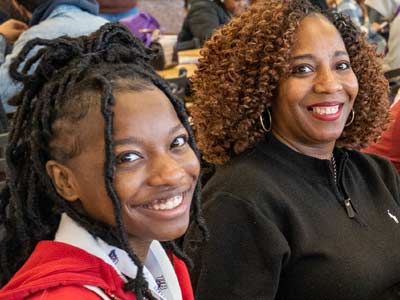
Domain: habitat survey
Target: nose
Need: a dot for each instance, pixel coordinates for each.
(166, 171)
(326, 82)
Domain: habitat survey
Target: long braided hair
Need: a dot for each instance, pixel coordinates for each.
(71, 76)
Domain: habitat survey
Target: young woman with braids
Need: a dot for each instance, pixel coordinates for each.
(102, 165)
(283, 97)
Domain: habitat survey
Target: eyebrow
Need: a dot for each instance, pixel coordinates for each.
(133, 140)
(310, 56)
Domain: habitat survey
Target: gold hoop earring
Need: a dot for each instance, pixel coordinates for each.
(270, 121)
(352, 118)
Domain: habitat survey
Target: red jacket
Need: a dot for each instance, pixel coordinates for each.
(58, 271)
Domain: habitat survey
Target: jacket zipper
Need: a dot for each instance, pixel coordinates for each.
(341, 191)
(349, 208)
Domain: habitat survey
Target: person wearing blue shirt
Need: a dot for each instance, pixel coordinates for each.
(48, 19)
(9, 32)
(357, 11)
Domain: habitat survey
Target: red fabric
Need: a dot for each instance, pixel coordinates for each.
(389, 144)
(64, 293)
(58, 271)
(183, 278)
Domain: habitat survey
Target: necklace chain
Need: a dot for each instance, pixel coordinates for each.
(333, 161)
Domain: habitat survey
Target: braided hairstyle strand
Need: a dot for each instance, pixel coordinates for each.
(72, 76)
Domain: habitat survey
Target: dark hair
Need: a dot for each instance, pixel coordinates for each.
(72, 75)
(31, 5)
(240, 70)
(321, 4)
(3, 17)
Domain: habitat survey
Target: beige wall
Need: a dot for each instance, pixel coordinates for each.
(170, 13)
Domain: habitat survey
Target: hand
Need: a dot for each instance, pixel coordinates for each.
(376, 27)
(12, 29)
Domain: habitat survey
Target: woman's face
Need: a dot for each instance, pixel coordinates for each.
(235, 7)
(156, 169)
(314, 102)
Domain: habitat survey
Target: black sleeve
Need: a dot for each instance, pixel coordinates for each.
(203, 21)
(244, 256)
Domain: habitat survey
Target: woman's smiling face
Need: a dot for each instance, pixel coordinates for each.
(316, 99)
(156, 169)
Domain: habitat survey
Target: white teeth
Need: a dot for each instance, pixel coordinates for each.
(166, 204)
(325, 110)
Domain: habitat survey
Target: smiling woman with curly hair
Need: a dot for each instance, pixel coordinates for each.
(241, 69)
(283, 97)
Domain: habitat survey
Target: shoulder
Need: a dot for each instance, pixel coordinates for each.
(84, 23)
(56, 27)
(369, 161)
(251, 170)
(372, 168)
(56, 270)
(249, 184)
(203, 5)
(242, 191)
(65, 293)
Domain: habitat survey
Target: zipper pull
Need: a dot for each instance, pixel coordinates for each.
(349, 208)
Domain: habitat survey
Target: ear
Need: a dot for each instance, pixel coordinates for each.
(63, 180)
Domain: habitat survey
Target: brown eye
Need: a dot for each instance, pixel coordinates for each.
(343, 66)
(127, 157)
(302, 69)
(179, 141)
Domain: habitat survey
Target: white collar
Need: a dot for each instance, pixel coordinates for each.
(157, 270)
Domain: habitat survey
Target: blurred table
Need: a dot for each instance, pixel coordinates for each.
(189, 53)
(187, 59)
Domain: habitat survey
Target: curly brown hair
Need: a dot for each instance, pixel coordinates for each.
(243, 63)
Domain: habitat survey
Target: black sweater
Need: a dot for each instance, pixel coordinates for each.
(280, 230)
(203, 18)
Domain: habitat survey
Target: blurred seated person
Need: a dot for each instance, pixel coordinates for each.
(48, 19)
(389, 144)
(205, 16)
(357, 11)
(392, 58)
(9, 33)
(381, 10)
(388, 10)
(115, 10)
